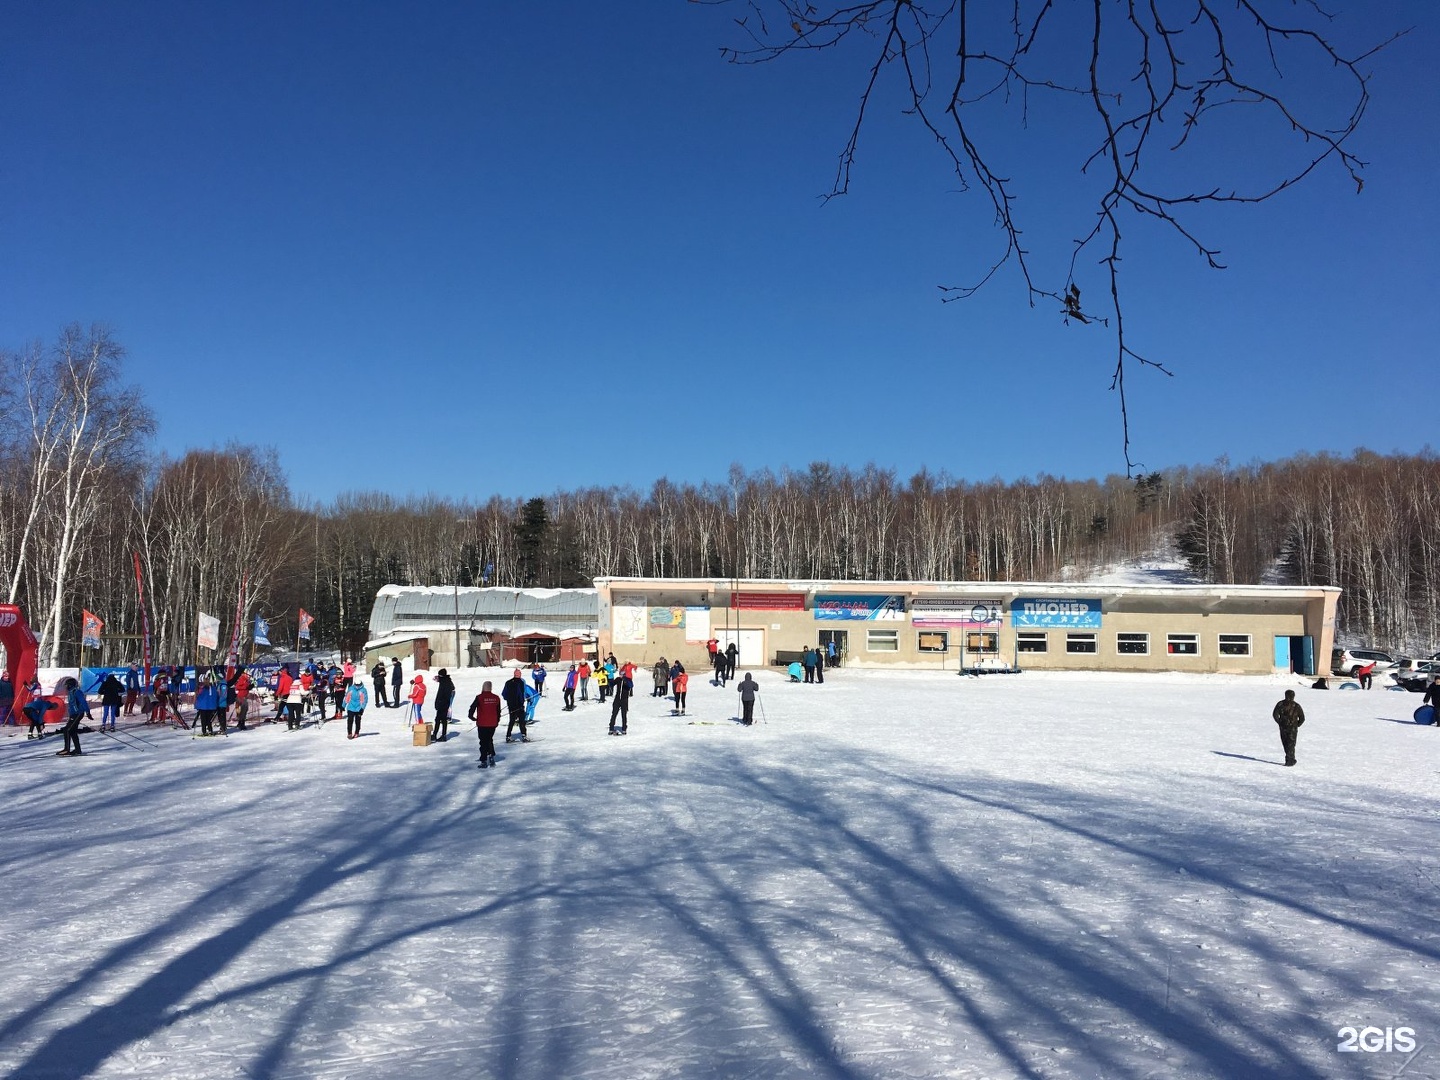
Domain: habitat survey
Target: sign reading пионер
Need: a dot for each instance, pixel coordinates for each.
(1043, 611)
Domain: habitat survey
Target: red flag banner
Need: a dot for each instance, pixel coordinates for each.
(90, 627)
(144, 620)
(305, 620)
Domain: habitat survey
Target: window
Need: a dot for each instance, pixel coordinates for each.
(882, 640)
(1032, 642)
(1234, 644)
(980, 642)
(933, 640)
(1132, 644)
(1080, 643)
(1182, 644)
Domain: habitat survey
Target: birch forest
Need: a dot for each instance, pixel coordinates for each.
(94, 518)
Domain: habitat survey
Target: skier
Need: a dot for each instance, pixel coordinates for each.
(537, 674)
(378, 674)
(662, 678)
(747, 689)
(79, 708)
(1289, 716)
(132, 688)
(159, 694)
(283, 682)
(242, 698)
(680, 683)
(514, 694)
(602, 683)
(396, 678)
(624, 687)
(582, 678)
(444, 695)
(207, 700)
(485, 711)
(35, 709)
(532, 701)
(294, 704)
(112, 694)
(355, 701)
(7, 699)
(722, 666)
(567, 693)
(732, 653)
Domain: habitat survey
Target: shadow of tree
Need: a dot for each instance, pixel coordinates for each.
(702, 912)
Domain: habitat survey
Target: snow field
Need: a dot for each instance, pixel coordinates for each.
(894, 875)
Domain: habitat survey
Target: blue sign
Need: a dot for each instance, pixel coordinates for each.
(879, 608)
(1052, 612)
(262, 631)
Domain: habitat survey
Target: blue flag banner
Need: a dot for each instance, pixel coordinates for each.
(262, 631)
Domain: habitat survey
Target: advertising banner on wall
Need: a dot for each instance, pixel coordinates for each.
(628, 619)
(667, 616)
(1046, 612)
(955, 611)
(697, 625)
(768, 601)
(860, 607)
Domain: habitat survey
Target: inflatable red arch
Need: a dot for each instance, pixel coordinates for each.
(21, 653)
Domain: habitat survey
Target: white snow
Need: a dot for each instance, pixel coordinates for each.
(895, 875)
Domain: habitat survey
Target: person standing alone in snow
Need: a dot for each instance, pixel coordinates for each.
(748, 688)
(485, 711)
(1289, 716)
(620, 708)
(355, 701)
(396, 678)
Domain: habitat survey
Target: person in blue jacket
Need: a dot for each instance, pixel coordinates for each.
(207, 700)
(78, 709)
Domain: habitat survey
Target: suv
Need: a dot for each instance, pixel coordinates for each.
(1415, 675)
(1350, 661)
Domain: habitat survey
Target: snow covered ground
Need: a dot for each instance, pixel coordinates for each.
(896, 875)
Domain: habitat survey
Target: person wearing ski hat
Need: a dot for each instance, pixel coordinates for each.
(417, 698)
(485, 711)
(748, 688)
(514, 694)
(444, 695)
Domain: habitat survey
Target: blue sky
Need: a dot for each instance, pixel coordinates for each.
(474, 249)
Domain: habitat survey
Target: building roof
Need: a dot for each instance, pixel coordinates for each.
(402, 611)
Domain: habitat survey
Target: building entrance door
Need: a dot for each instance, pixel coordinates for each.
(751, 644)
(841, 638)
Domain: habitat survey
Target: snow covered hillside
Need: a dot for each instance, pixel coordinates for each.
(895, 875)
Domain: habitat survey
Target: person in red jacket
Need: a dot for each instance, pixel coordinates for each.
(282, 691)
(417, 698)
(485, 711)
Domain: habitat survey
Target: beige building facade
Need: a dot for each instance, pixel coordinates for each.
(1244, 629)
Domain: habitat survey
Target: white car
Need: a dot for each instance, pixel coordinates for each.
(1415, 675)
(1350, 661)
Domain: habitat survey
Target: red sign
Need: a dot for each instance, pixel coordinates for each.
(768, 601)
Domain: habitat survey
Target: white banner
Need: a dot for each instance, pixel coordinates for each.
(629, 619)
(209, 636)
(697, 625)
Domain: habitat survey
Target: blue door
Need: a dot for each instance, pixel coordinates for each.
(1307, 654)
(1282, 653)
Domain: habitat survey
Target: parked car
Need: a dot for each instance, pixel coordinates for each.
(1415, 675)
(1350, 661)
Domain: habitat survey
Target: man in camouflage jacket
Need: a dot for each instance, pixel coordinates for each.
(1289, 715)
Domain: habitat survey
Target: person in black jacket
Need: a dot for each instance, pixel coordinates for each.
(1288, 716)
(396, 678)
(732, 653)
(444, 695)
(620, 707)
(514, 694)
(378, 674)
